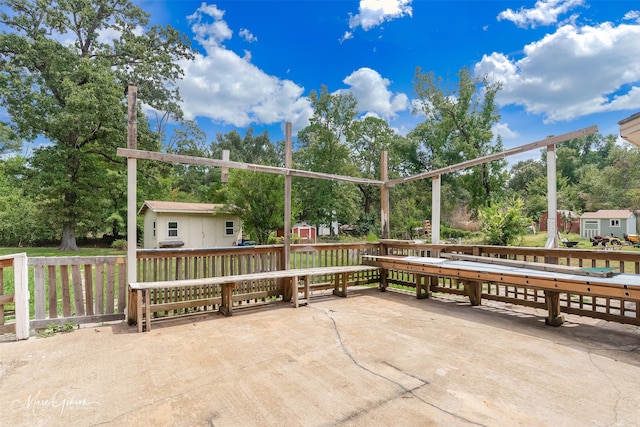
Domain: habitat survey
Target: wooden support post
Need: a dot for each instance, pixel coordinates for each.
(287, 289)
(227, 301)
(294, 286)
(434, 281)
(422, 286)
(384, 196)
(132, 310)
(552, 300)
(224, 174)
(384, 282)
(139, 309)
(21, 295)
(307, 289)
(435, 209)
(288, 163)
(147, 308)
(340, 284)
(132, 182)
(474, 291)
(306, 297)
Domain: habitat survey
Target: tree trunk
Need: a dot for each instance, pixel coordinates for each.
(68, 241)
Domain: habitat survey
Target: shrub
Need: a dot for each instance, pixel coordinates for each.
(120, 244)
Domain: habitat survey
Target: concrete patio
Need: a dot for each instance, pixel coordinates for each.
(370, 359)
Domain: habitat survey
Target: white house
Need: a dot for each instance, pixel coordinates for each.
(188, 225)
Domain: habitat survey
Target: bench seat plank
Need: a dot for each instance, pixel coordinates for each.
(228, 283)
(264, 275)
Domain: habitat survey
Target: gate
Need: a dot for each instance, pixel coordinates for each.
(14, 295)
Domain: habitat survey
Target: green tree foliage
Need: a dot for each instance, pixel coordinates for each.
(21, 220)
(457, 127)
(190, 182)
(61, 79)
(250, 149)
(258, 198)
(368, 139)
(503, 222)
(323, 149)
(9, 141)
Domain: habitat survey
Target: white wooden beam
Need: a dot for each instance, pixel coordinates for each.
(132, 185)
(435, 209)
(552, 199)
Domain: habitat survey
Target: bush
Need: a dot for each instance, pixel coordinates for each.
(503, 222)
(454, 233)
(120, 245)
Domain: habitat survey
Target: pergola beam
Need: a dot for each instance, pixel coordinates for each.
(490, 157)
(203, 161)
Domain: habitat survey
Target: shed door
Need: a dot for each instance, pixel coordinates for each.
(591, 228)
(208, 232)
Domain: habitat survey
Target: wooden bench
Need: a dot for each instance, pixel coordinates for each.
(142, 290)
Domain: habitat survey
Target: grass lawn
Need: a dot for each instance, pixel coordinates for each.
(34, 252)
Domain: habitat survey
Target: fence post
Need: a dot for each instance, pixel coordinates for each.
(21, 295)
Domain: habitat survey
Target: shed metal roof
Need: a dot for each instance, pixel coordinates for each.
(179, 207)
(607, 214)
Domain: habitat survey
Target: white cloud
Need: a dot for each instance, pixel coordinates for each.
(209, 34)
(503, 130)
(371, 91)
(571, 73)
(247, 35)
(225, 87)
(545, 12)
(632, 15)
(347, 35)
(374, 12)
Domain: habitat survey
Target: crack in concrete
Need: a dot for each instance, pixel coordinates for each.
(404, 390)
(615, 386)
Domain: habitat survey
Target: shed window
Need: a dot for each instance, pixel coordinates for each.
(615, 223)
(228, 228)
(172, 229)
(154, 229)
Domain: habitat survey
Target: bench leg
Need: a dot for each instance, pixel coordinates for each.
(306, 298)
(139, 308)
(340, 284)
(227, 301)
(422, 286)
(552, 300)
(132, 308)
(147, 309)
(294, 287)
(384, 279)
(474, 291)
(307, 289)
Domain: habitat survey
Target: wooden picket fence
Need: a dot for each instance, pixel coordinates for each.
(78, 289)
(94, 289)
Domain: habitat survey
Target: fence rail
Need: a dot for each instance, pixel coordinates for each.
(182, 264)
(94, 289)
(78, 289)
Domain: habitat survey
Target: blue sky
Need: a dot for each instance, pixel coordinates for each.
(564, 64)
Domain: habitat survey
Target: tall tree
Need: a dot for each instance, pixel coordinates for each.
(258, 198)
(62, 78)
(190, 182)
(323, 148)
(459, 119)
(369, 138)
